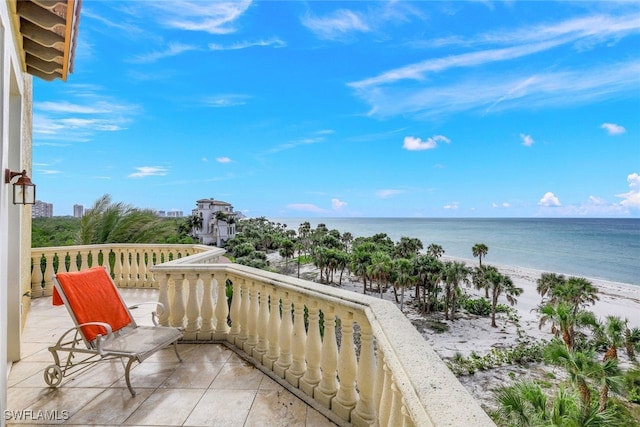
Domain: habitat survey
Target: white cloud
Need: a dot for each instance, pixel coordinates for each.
(274, 42)
(305, 207)
(412, 143)
(211, 17)
(613, 129)
(229, 100)
(502, 205)
(384, 194)
(337, 25)
(337, 204)
(549, 199)
(204, 159)
(631, 199)
(451, 206)
(144, 171)
(527, 140)
(223, 159)
(173, 49)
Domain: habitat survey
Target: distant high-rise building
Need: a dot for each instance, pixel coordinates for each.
(42, 210)
(162, 214)
(78, 211)
(175, 214)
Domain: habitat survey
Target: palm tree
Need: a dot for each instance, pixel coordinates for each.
(579, 365)
(403, 276)
(611, 332)
(455, 273)
(548, 282)
(479, 250)
(286, 251)
(479, 278)
(408, 247)
(435, 251)
(564, 322)
(109, 222)
(218, 216)
(501, 284)
(380, 269)
(361, 260)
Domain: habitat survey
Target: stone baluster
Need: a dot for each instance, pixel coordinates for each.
(328, 386)
(244, 314)
(73, 261)
(84, 259)
(273, 333)
(298, 344)
(126, 269)
(286, 329)
(117, 267)
(134, 280)
(37, 277)
(49, 272)
(235, 310)
(365, 414)
(222, 308)
(346, 398)
(145, 278)
(193, 307)
(263, 325)
(313, 374)
(252, 322)
(386, 398)
(395, 414)
(207, 312)
(105, 261)
(163, 298)
(177, 307)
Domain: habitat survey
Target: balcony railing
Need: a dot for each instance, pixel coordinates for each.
(355, 355)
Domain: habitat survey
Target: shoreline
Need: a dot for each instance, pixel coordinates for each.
(471, 334)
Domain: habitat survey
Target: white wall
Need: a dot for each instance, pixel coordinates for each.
(13, 235)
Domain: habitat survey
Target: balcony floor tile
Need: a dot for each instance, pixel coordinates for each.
(213, 386)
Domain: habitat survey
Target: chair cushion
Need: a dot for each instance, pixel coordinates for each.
(93, 297)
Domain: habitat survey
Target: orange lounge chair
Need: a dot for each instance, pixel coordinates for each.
(105, 328)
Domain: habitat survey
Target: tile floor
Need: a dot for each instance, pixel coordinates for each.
(213, 386)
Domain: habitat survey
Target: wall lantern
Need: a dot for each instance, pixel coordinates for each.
(24, 191)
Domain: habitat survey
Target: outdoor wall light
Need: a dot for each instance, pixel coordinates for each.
(24, 191)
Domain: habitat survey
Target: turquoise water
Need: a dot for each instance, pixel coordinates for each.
(606, 249)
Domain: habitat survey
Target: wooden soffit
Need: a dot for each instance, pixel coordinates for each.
(47, 32)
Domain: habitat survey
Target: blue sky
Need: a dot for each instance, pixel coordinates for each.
(348, 109)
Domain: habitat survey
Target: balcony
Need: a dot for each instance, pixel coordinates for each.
(353, 359)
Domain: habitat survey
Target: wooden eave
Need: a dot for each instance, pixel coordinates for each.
(46, 35)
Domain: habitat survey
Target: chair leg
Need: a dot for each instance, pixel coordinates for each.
(126, 376)
(175, 348)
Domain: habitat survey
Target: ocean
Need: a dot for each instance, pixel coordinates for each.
(607, 249)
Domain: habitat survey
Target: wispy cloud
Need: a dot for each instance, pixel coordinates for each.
(336, 26)
(549, 199)
(498, 93)
(613, 129)
(173, 49)
(452, 206)
(227, 100)
(274, 43)
(86, 112)
(144, 171)
(413, 143)
(223, 160)
(210, 17)
(315, 138)
(428, 87)
(386, 193)
(527, 140)
(305, 207)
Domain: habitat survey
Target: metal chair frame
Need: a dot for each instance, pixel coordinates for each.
(107, 347)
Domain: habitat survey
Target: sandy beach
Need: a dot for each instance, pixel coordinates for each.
(471, 333)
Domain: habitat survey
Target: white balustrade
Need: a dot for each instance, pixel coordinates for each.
(388, 376)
